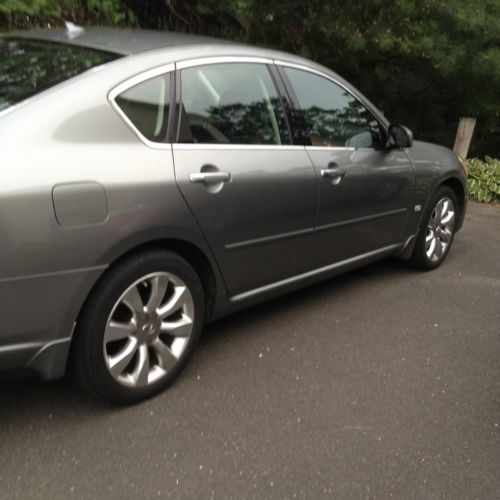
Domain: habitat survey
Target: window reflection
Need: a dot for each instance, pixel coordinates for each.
(146, 106)
(232, 104)
(28, 67)
(332, 116)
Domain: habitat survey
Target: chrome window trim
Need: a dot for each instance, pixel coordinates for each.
(132, 82)
(203, 61)
(330, 148)
(188, 146)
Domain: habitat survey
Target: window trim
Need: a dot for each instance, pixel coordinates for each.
(166, 71)
(205, 61)
(296, 106)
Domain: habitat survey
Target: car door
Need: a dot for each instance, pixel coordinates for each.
(252, 192)
(365, 190)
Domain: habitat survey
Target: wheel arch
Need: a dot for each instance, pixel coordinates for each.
(196, 257)
(213, 285)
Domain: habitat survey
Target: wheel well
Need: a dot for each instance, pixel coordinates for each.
(459, 190)
(194, 256)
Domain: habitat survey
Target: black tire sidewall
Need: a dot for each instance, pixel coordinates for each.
(92, 323)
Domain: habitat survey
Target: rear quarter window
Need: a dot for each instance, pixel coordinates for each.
(146, 106)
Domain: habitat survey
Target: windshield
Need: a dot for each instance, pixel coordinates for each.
(28, 67)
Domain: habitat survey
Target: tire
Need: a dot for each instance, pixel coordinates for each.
(437, 230)
(138, 327)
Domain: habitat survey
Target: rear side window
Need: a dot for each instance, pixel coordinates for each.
(146, 106)
(231, 103)
(28, 67)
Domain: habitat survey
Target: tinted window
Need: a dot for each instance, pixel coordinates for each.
(146, 105)
(333, 117)
(28, 67)
(233, 103)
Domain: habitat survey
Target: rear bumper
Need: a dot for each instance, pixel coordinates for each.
(37, 318)
(47, 359)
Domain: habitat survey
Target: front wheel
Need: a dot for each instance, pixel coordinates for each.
(138, 327)
(437, 230)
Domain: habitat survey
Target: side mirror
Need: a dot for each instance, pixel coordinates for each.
(399, 137)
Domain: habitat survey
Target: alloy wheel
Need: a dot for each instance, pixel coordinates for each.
(440, 229)
(148, 329)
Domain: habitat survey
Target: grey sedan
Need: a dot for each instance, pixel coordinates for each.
(153, 182)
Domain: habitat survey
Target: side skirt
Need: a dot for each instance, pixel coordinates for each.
(294, 282)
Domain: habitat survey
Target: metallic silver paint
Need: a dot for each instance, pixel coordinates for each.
(277, 225)
(315, 273)
(80, 203)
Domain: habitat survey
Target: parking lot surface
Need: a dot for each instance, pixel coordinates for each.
(384, 382)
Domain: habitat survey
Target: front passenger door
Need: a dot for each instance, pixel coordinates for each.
(365, 190)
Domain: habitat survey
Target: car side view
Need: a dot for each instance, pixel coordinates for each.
(153, 182)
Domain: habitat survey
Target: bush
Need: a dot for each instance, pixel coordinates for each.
(484, 179)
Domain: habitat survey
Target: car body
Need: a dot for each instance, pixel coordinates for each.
(87, 180)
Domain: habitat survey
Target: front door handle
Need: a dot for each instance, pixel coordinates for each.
(333, 172)
(209, 178)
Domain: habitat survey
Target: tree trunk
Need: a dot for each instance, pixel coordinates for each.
(464, 136)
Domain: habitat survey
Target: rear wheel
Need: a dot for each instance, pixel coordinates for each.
(437, 230)
(139, 327)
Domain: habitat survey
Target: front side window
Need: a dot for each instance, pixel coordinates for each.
(231, 103)
(333, 116)
(28, 67)
(146, 105)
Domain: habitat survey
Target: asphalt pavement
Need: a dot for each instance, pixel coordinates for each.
(384, 382)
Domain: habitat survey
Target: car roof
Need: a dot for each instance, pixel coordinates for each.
(123, 41)
(135, 42)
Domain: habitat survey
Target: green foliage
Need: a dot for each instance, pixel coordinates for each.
(425, 63)
(50, 13)
(484, 179)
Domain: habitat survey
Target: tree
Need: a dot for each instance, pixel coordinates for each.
(424, 62)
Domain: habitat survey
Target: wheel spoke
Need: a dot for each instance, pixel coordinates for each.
(175, 303)
(119, 362)
(444, 208)
(165, 355)
(134, 301)
(448, 218)
(159, 286)
(141, 372)
(179, 328)
(429, 237)
(431, 247)
(118, 331)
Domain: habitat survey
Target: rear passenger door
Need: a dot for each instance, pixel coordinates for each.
(252, 192)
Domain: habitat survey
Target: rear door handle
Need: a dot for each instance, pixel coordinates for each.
(208, 178)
